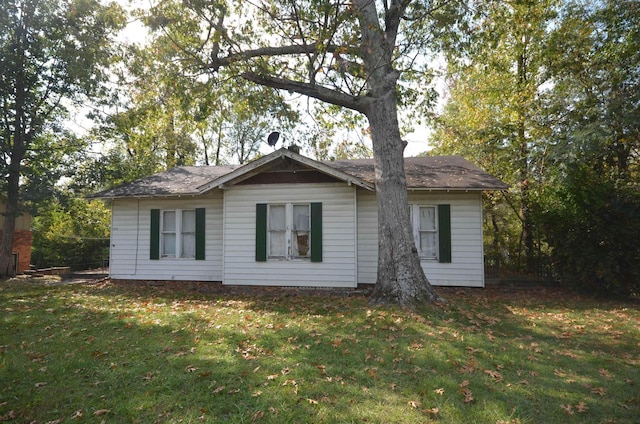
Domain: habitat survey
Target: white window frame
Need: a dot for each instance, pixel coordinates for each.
(178, 233)
(289, 232)
(415, 221)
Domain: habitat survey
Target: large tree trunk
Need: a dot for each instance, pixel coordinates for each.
(401, 279)
(7, 267)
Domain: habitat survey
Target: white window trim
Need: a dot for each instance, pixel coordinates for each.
(288, 238)
(415, 222)
(178, 233)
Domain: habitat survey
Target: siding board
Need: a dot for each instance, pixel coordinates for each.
(467, 266)
(130, 240)
(337, 268)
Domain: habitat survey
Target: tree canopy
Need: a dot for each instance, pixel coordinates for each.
(52, 53)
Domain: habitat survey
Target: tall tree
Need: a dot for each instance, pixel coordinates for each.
(52, 52)
(595, 103)
(591, 214)
(166, 115)
(350, 54)
(494, 113)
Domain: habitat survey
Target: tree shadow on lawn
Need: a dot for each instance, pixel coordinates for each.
(160, 356)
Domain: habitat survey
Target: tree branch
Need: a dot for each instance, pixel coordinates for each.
(357, 103)
(217, 62)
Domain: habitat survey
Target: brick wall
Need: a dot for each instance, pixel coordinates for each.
(22, 246)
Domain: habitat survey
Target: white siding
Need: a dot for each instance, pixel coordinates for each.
(130, 240)
(338, 266)
(467, 264)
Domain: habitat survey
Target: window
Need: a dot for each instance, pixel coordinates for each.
(177, 233)
(168, 234)
(289, 231)
(432, 231)
(426, 231)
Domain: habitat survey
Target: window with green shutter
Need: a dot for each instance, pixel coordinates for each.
(178, 233)
(432, 231)
(289, 231)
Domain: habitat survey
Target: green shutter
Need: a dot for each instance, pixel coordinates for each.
(261, 232)
(444, 233)
(316, 232)
(200, 233)
(154, 247)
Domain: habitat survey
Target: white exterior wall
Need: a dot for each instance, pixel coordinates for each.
(130, 241)
(467, 255)
(338, 266)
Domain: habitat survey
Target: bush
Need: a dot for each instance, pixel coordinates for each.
(593, 230)
(74, 233)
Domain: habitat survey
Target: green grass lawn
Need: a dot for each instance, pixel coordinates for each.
(114, 354)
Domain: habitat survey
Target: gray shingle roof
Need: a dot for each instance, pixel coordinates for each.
(428, 172)
(178, 181)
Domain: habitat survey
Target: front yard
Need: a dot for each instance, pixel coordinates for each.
(114, 354)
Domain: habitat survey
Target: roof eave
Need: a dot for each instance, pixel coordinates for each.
(227, 180)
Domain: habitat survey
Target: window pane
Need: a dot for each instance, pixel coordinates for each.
(168, 221)
(427, 244)
(276, 243)
(300, 243)
(169, 244)
(277, 218)
(189, 221)
(427, 219)
(189, 245)
(301, 217)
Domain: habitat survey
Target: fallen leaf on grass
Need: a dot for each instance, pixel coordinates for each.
(567, 409)
(468, 396)
(440, 391)
(77, 415)
(432, 412)
(101, 412)
(218, 390)
(41, 384)
(11, 415)
(600, 391)
(464, 389)
(495, 375)
(605, 373)
(414, 404)
(582, 407)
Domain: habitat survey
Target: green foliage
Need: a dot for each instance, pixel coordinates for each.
(53, 53)
(592, 226)
(72, 232)
(494, 117)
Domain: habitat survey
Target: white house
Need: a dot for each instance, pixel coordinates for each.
(287, 220)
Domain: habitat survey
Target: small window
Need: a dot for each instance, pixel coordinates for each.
(178, 236)
(425, 230)
(188, 231)
(289, 233)
(301, 228)
(169, 234)
(277, 231)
